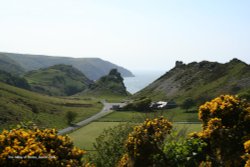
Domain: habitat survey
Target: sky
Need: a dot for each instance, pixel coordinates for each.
(135, 34)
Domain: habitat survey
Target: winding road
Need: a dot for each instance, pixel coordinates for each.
(107, 108)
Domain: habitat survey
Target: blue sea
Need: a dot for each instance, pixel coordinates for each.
(141, 80)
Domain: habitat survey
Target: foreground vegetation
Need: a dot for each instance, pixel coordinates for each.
(85, 137)
(223, 141)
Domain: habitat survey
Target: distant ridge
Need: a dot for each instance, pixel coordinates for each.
(201, 81)
(93, 68)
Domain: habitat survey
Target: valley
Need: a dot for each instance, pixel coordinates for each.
(90, 111)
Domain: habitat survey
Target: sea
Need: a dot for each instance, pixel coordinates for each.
(141, 80)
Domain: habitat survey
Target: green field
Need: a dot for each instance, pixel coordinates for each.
(174, 115)
(85, 136)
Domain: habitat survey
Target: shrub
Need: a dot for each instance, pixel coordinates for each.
(70, 116)
(226, 126)
(144, 144)
(142, 104)
(184, 152)
(35, 147)
(187, 104)
(110, 145)
(247, 149)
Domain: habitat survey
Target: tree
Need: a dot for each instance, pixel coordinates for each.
(70, 116)
(187, 104)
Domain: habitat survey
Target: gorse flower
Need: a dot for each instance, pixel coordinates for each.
(226, 126)
(145, 141)
(35, 147)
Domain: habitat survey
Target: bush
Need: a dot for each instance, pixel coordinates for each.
(142, 104)
(110, 145)
(70, 116)
(35, 147)
(226, 126)
(144, 144)
(184, 152)
(187, 104)
(247, 155)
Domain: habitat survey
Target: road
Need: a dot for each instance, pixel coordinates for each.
(105, 110)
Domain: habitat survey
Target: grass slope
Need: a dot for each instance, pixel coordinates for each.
(201, 81)
(21, 105)
(9, 65)
(58, 80)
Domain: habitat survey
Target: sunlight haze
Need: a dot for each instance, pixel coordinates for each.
(135, 34)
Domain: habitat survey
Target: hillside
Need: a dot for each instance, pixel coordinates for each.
(111, 84)
(200, 81)
(22, 105)
(13, 80)
(9, 65)
(58, 80)
(93, 68)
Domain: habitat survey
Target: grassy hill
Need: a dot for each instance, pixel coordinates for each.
(22, 105)
(13, 80)
(58, 80)
(200, 81)
(109, 85)
(93, 68)
(9, 65)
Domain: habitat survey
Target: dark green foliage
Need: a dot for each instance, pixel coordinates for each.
(13, 80)
(184, 152)
(110, 145)
(142, 104)
(70, 116)
(187, 104)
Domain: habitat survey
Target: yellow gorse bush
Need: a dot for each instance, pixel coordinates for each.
(145, 141)
(35, 147)
(247, 149)
(226, 126)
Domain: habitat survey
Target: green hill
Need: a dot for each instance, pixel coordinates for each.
(13, 80)
(58, 80)
(22, 105)
(9, 65)
(200, 81)
(93, 68)
(111, 84)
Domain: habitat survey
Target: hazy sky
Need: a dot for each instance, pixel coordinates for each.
(136, 34)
